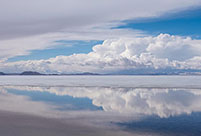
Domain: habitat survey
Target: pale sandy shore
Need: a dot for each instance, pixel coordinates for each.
(15, 124)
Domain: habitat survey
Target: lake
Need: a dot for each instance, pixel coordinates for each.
(100, 105)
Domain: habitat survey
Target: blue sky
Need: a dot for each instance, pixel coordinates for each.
(184, 23)
(63, 48)
(99, 36)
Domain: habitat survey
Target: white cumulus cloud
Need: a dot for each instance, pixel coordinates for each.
(33, 25)
(162, 51)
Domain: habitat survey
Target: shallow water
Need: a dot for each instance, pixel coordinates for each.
(104, 81)
(84, 108)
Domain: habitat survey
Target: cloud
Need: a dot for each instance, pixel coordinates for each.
(39, 23)
(47, 16)
(160, 52)
(24, 45)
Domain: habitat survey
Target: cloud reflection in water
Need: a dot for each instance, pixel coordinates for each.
(127, 101)
(150, 110)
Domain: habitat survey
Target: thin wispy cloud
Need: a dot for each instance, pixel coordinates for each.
(22, 18)
(36, 25)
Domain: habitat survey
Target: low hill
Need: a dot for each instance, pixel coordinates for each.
(30, 73)
(1, 73)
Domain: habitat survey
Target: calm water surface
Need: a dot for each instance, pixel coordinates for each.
(56, 110)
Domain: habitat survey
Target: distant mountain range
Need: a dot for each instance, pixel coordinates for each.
(150, 71)
(1, 73)
(37, 73)
(30, 73)
(23, 73)
(123, 72)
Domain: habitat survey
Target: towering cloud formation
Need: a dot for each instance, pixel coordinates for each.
(39, 24)
(160, 52)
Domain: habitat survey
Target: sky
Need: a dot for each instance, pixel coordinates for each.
(102, 36)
